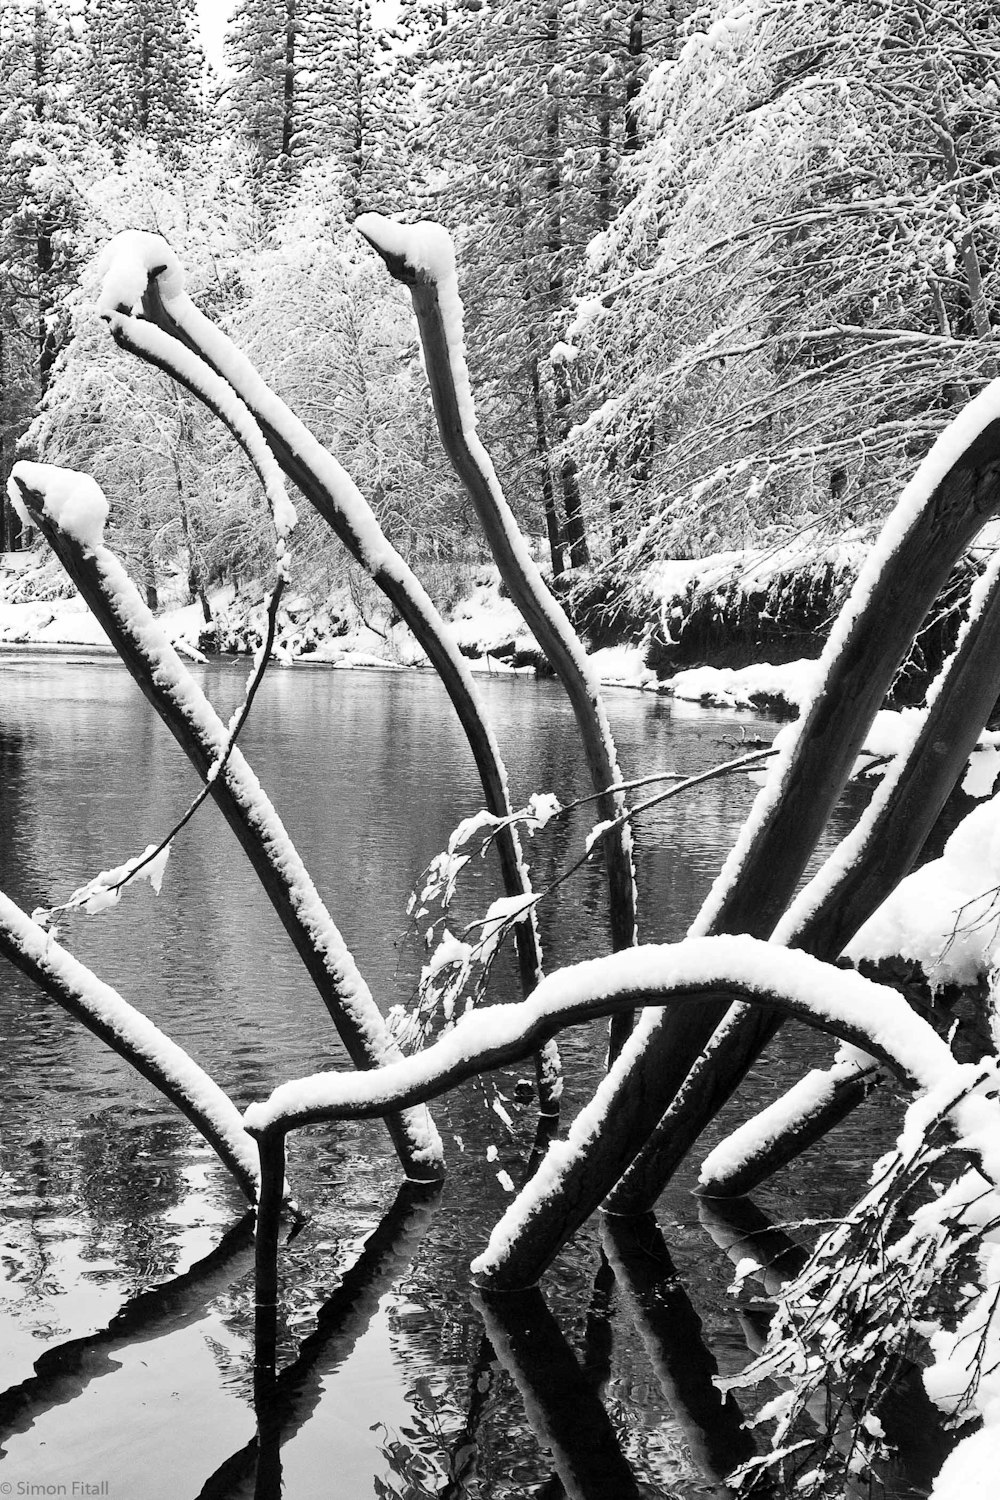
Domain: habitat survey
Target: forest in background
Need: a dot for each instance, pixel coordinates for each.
(727, 270)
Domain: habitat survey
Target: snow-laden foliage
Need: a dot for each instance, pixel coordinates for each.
(905, 1289)
(799, 290)
(311, 309)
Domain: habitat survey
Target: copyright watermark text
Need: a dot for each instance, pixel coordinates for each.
(72, 1487)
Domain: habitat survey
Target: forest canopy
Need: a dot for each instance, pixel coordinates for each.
(751, 250)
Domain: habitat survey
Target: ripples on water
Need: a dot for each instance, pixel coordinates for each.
(108, 1194)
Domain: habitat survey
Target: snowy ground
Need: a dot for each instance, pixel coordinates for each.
(37, 608)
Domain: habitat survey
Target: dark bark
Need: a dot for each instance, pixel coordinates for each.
(288, 82)
(545, 473)
(269, 1204)
(45, 227)
(633, 81)
(967, 691)
(783, 837)
(605, 164)
(576, 537)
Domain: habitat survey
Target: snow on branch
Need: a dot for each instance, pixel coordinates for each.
(127, 263)
(142, 270)
(133, 1036)
(73, 502)
(766, 1141)
(423, 258)
(173, 692)
(869, 1015)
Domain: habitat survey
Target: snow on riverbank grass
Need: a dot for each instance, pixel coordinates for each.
(348, 627)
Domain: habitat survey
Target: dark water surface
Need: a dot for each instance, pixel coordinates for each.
(107, 1194)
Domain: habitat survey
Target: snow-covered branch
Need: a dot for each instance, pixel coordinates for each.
(133, 1036)
(141, 271)
(68, 510)
(869, 1015)
(422, 257)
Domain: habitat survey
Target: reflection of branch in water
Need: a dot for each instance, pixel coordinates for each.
(739, 1228)
(63, 1372)
(463, 1450)
(598, 1340)
(287, 1400)
(566, 1415)
(670, 1329)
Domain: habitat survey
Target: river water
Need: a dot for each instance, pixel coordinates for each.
(126, 1300)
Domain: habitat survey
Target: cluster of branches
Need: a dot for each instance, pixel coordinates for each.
(800, 287)
(669, 1076)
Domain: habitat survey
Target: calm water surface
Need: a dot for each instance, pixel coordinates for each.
(107, 1195)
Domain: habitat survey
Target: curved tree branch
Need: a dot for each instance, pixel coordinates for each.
(141, 269)
(185, 710)
(688, 975)
(430, 277)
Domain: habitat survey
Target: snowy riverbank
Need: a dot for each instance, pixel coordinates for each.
(39, 609)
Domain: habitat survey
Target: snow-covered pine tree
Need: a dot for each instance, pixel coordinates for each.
(40, 127)
(144, 71)
(262, 54)
(527, 110)
(325, 81)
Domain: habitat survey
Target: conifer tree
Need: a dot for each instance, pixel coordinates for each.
(322, 81)
(528, 112)
(39, 59)
(144, 70)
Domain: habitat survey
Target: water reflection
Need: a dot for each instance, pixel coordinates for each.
(564, 1410)
(370, 773)
(284, 1401)
(64, 1371)
(672, 1333)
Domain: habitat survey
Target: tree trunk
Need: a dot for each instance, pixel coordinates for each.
(545, 473)
(44, 226)
(288, 83)
(633, 81)
(579, 554)
(781, 833)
